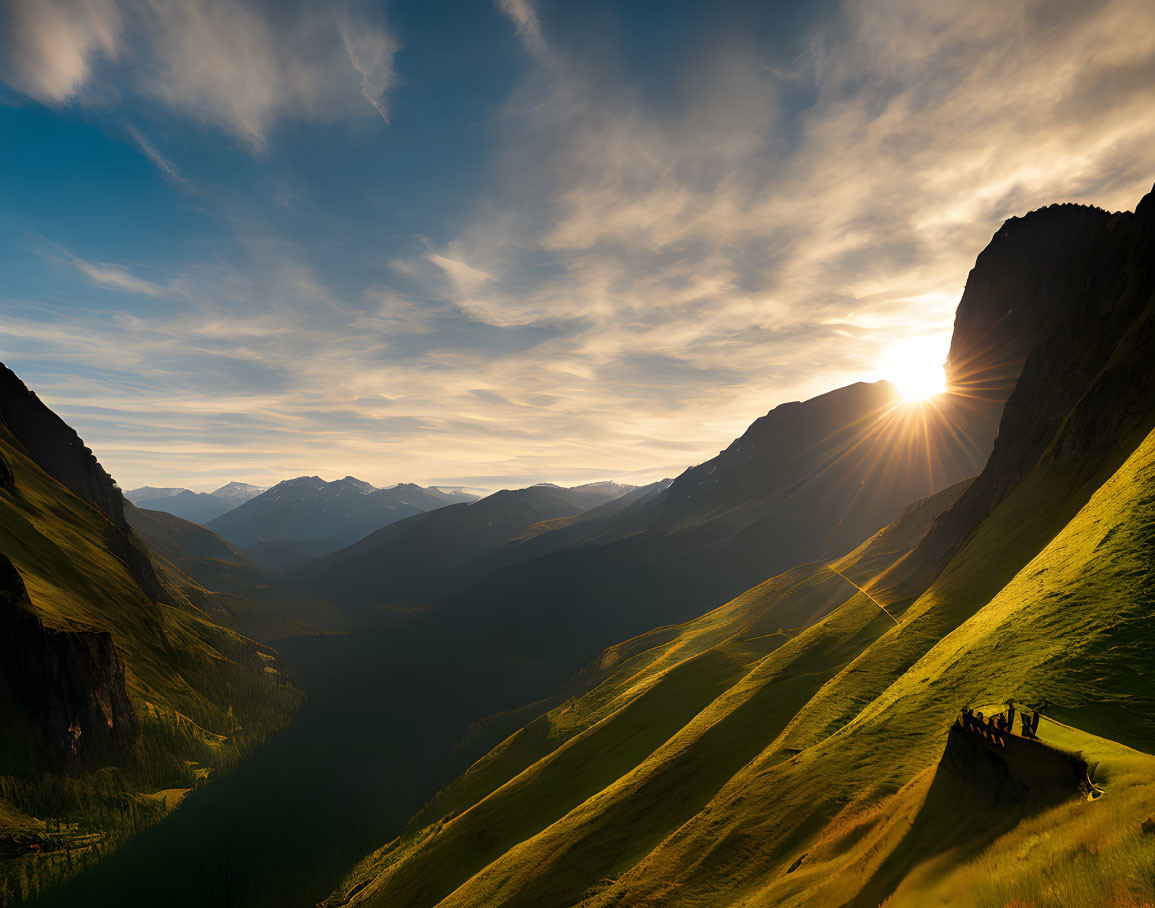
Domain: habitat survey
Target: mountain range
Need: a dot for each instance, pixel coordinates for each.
(412, 561)
(799, 744)
(199, 507)
(741, 686)
(328, 515)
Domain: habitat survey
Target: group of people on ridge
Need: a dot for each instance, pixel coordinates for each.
(996, 728)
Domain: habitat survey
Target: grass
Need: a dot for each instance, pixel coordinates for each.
(204, 694)
(666, 718)
(787, 748)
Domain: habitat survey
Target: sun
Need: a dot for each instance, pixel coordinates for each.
(915, 367)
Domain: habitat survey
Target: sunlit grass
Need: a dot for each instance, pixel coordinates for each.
(814, 777)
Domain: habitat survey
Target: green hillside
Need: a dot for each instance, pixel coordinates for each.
(709, 763)
(795, 747)
(225, 583)
(204, 696)
(749, 656)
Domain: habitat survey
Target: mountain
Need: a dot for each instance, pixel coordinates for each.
(807, 481)
(412, 560)
(624, 705)
(199, 507)
(237, 492)
(286, 554)
(309, 508)
(799, 744)
(198, 553)
(226, 583)
(151, 493)
(118, 694)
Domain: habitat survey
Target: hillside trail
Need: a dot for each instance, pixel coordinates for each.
(864, 592)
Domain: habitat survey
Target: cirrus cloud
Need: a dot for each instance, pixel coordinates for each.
(233, 64)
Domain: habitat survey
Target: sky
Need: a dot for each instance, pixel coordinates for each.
(495, 243)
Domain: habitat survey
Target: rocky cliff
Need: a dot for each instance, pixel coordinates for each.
(69, 684)
(1078, 285)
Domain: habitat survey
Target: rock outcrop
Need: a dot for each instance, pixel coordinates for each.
(1070, 290)
(69, 684)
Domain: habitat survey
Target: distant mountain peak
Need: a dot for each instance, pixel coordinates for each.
(358, 484)
(144, 493)
(307, 508)
(297, 481)
(606, 485)
(238, 492)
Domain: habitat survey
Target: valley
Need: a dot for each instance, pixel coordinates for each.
(735, 686)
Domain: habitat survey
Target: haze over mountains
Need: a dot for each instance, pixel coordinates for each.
(297, 519)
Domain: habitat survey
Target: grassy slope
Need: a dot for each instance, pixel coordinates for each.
(826, 749)
(219, 579)
(701, 699)
(1071, 631)
(204, 694)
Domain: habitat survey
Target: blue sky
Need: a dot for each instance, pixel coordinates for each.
(496, 243)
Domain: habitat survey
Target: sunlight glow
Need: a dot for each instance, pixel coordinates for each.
(915, 367)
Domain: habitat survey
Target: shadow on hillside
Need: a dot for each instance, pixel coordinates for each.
(976, 796)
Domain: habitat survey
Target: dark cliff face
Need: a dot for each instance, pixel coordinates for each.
(1086, 393)
(68, 683)
(56, 447)
(1011, 303)
(59, 451)
(1014, 295)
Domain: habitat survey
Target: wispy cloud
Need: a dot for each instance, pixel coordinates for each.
(241, 66)
(115, 277)
(466, 279)
(167, 168)
(725, 227)
(371, 53)
(528, 27)
(226, 63)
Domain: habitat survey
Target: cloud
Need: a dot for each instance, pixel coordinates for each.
(223, 62)
(47, 47)
(647, 271)
(115, 277)
(240, 66)
(733, 224)
(371, 52)
(167, 168)
(466, 279)
(528, 27)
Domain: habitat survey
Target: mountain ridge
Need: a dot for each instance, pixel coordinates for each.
(309, 508)
(806, 766)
